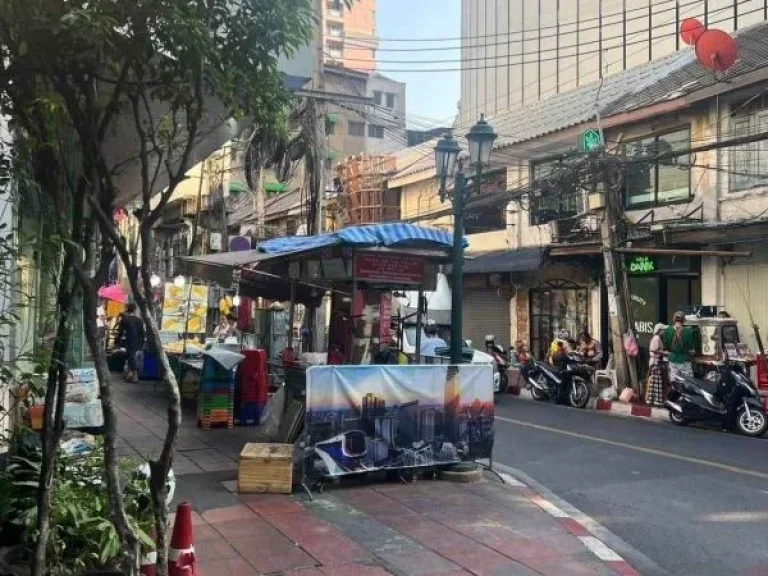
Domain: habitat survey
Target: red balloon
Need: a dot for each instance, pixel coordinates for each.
(691, 30)
(716, 50)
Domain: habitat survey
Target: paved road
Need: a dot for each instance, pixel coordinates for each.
(694, 501)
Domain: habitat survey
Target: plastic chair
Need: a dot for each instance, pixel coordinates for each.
(608, 374)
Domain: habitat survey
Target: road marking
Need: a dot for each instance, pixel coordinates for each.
(508, 480)
(548, 507)
(600, 550)
(653, 451)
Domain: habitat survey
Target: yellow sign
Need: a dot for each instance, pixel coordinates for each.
(175, 308)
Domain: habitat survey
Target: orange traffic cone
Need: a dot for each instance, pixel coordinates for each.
(149, 559)
(181, 554)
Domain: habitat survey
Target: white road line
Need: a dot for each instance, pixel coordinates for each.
(510, 481)
(550, 508)
(600, 550)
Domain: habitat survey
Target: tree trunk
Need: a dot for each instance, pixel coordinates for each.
(128, 538)
(53, 414)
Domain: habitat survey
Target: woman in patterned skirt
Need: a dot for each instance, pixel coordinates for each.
(658, 370)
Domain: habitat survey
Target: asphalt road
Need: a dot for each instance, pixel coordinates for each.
(694, 501)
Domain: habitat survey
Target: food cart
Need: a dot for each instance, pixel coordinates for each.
(716, 336)
(360, 411)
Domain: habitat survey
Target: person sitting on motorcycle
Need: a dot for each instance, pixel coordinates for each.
(561, 344)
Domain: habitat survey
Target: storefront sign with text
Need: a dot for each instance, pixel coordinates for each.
(389, 268)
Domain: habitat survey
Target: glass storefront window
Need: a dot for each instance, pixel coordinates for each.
(555, 306)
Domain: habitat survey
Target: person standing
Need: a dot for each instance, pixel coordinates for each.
(658, 377)
(130, 332)
(678, 340)
(101, 324)
(432, 341)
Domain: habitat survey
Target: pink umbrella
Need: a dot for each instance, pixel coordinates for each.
(114, 293)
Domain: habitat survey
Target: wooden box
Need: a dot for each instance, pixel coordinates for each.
(265, 468)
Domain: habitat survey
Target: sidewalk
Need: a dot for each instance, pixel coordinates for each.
(419, 529)
(356, 528)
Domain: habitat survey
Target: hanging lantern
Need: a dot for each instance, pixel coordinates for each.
(691, 30)
(716, 50)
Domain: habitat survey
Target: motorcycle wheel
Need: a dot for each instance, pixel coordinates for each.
(538, 394)
(579, 395)
(677, 419)
(753, 424)
(503, 382)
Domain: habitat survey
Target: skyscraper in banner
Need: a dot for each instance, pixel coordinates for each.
(516, 52)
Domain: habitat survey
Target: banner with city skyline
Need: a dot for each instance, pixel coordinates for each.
(366, 418)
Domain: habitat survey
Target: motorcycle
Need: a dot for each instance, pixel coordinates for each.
(501, 359)
(547, 383)
(729, 398)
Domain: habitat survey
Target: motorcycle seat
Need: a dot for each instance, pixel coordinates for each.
(706, 385)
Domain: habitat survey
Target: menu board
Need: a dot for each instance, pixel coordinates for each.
(175, 308)
(389, 268)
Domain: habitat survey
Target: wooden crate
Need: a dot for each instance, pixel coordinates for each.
(265, 468)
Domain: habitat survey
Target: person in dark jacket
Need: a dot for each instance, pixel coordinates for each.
(130, 333)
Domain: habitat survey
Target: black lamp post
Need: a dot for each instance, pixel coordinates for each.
(480, 139)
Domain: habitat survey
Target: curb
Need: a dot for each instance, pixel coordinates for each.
(603, 544)
(610, 406)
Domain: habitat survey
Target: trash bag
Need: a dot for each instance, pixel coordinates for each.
(273, 413)
(608, 393)
(630, 344)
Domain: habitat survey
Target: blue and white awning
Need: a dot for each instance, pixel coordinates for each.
(386, 235)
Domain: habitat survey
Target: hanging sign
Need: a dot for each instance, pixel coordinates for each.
(389, 268)
(640, 265)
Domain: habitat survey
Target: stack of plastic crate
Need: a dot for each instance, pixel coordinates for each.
(215, 404)
(251, 388)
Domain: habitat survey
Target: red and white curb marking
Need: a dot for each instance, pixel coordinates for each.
(573, 526)
(610, 406)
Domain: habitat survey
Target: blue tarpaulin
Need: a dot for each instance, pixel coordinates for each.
(388, 235)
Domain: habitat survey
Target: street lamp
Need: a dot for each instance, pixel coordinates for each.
(480, 139)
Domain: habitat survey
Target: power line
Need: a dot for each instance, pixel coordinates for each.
(533, 38)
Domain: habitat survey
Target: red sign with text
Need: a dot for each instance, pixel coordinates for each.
(389, 268)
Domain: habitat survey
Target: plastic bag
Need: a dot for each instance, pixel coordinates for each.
(273, 413)
(608, 393)
(630, 344)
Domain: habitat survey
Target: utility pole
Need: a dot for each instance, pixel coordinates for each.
(318, 198)
(616, 284)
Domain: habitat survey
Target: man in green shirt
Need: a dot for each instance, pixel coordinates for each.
(678, 340)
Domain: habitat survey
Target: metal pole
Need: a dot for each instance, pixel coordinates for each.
(419, 324)
(457, 280)
(291, 307)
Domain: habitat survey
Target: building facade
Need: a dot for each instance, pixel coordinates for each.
(377, 128)
(683, 216)
(349, 34)
(515, 52)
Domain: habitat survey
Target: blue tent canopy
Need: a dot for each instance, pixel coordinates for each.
(387, 235)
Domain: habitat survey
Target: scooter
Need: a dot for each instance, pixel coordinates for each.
(729, 398)
(501, 358)
(544, 381)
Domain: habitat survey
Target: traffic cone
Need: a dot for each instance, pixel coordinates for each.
(181, 554)
(149, 559)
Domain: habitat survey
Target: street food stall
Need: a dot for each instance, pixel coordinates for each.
(358, 410)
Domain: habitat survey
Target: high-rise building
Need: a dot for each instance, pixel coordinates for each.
(349, 34)
(516, 52)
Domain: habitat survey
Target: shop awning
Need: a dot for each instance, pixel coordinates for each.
(220, 268)
(275, 187)
(388, 235)
(524, 260)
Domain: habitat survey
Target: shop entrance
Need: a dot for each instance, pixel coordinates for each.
(659, 287)
(557, 305)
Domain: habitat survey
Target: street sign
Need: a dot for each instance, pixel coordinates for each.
(590, 140)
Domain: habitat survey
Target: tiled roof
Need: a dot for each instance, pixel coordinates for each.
(668, 78)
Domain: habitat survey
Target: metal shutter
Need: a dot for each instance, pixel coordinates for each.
(486, 312)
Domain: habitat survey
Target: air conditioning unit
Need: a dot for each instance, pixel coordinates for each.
(595, 201)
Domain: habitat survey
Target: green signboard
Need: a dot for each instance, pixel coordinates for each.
(590, 140)
(640, 265)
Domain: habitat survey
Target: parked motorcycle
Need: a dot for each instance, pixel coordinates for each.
(501, 359)
(547, 383)
(730, 398)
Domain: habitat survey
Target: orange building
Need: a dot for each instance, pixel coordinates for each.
(350, 34)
